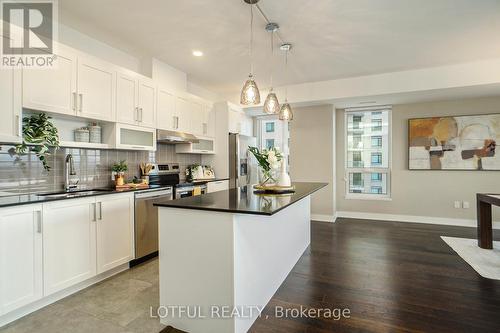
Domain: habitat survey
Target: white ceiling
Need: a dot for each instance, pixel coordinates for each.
(332, 38)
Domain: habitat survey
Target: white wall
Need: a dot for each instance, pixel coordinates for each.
(423, 193)
(312, 155)
(168, 76)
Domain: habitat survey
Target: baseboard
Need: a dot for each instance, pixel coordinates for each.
(323, 218)
(413, 218)
(41, 303)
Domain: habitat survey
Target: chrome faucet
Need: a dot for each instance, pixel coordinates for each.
(69, 170)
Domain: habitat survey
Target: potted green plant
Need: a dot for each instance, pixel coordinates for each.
(39, 136)
(119, 169)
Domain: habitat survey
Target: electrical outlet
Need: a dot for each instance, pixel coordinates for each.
(465, 205)
(458, 204)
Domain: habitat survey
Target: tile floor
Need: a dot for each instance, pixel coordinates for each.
(120, 304)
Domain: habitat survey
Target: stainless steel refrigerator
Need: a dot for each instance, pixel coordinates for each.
(242, 164)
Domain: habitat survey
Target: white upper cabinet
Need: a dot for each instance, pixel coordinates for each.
(135, 100)
(183, 112)
(146, 103)
(52, 90)
(199, 125)
(126, 99)
(96, 89)
(114, 230)
(20, 257)
(10, 104)
(209, 120)
(77, 85)
(69, 243)
(165, 110)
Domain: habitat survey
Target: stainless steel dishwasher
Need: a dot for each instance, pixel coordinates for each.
(146, 222)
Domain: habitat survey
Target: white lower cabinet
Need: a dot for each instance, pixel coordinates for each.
(69, 243)
(20, 256)
(216, 186)
(115, 220)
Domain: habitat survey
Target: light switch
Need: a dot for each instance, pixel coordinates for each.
(458, 204)
(465, 205)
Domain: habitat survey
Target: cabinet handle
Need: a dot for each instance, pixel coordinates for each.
(81, 102)
(136, 114)
(19, 126)
(177, 122)
(94, 219)
(140, 118)
(75, 102)
(39, 222)
(100, 210)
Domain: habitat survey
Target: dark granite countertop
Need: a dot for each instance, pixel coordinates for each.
(28, 199)
(243, 200)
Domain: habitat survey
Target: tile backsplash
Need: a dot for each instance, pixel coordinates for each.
(25, 174)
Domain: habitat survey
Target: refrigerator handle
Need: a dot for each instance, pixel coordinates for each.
(238, 171)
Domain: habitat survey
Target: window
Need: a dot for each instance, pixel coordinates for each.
(367, 153)
(356, 159)
(376, 141)
(356, 120)
(376, 159)
(357, 142)
(376, 125)
(270, 127)
(272, 132)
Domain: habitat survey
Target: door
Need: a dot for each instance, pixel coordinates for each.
(52, 90)
(166, 110)
(146, 103)
(96, 89)
(10, 104)
(126, 99)
(114, 231)
(69, 243)
(183, 115)
(20, 257)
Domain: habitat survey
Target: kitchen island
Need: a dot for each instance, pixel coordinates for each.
(224, 254)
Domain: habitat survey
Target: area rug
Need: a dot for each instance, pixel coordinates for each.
(485, 262)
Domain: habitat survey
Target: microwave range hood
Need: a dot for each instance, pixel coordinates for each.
(174, 137)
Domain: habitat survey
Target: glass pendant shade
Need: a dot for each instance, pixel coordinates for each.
(250, 94)
(271, 105)
(286, 112)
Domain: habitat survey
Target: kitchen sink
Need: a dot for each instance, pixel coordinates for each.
(76, 194)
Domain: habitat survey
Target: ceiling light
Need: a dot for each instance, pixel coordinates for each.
(197, 53)
(286, 110)
(272, 105)
(250, 94)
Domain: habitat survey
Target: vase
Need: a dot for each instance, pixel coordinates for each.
(119, 179)
(284, 178)
(267, 177)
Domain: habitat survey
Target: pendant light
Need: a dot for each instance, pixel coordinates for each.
(250, 94)
(286, 110)
(272, 105)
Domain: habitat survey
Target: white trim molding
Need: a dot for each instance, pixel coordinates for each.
(412, 218)
(323, 218)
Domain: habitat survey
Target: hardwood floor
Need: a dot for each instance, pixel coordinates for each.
(393, 277)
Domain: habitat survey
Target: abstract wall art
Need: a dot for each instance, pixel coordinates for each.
(454, 143)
